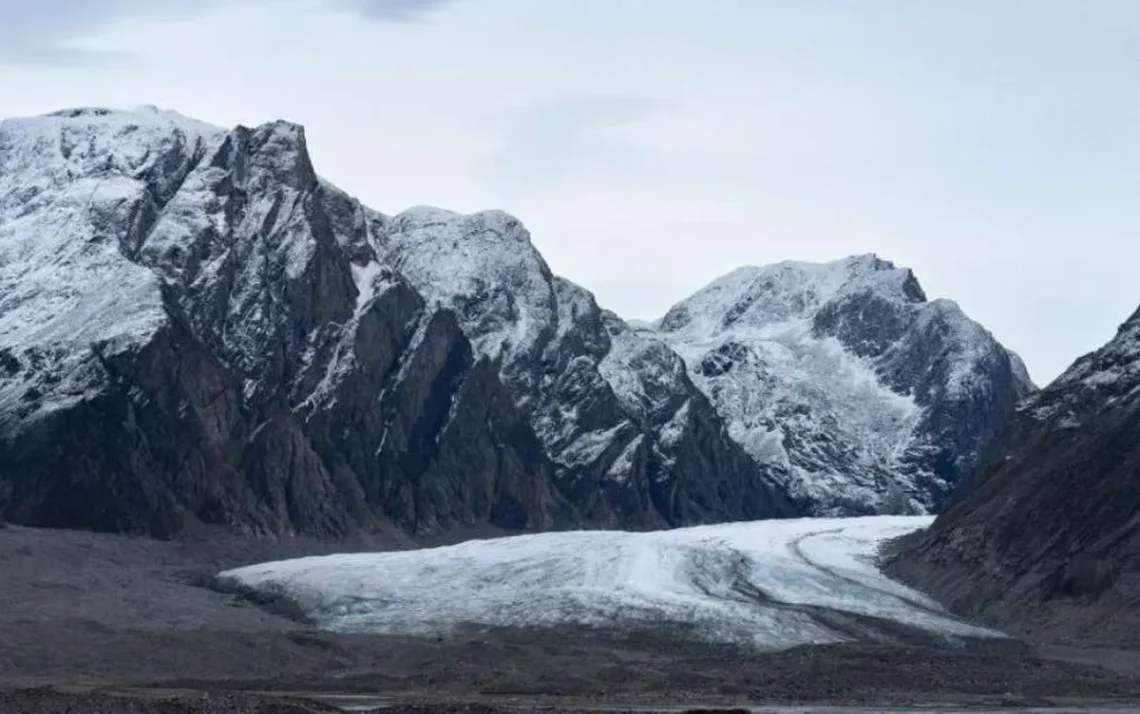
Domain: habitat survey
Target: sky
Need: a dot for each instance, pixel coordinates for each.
(993, 146)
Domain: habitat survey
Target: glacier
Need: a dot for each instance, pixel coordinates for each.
(770, 584)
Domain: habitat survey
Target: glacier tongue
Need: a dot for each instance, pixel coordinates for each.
(759, 583)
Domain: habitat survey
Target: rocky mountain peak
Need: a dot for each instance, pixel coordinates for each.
(1098, 381)
(244, 343)
(847, 377)
(756, 297)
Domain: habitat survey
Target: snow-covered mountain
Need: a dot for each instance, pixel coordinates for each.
(195, 326)
(631, 437)
(771, 584)
(867, 396)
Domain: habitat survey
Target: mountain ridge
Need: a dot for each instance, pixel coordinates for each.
(254, 346)
(256, 364)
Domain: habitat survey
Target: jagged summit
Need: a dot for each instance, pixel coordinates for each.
(582, 377)
(483, 265)
(1115, 365)
(244, 343)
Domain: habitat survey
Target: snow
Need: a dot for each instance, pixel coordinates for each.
(971, 345)
(371, 279)
(674, 429)
(645, 374)
(543, 330)
(481, 265)
(754, 582)
(76, 286)
(750, 347)
(69, 182)
(1115, 367)
(622, 466)
(589, 446)
(758, 296)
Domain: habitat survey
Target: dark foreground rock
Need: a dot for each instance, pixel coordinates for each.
(48, 701)
(1046, 539)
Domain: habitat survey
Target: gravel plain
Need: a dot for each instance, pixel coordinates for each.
(103, 623)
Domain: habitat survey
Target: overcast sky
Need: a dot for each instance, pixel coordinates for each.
(652, 145)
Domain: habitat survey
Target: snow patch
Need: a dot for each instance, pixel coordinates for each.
(622, 467)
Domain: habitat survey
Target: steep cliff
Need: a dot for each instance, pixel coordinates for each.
(194, 326)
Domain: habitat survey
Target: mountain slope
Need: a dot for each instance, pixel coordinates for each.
(1047, 537)
(195, 326)
(870, 398)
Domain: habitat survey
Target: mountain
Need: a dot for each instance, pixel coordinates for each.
(195, 327)
(1047, 536)
(864, 395)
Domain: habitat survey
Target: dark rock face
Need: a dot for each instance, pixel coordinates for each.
(195, 327)
(1047, 537)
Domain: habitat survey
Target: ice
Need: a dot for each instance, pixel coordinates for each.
(753, 582)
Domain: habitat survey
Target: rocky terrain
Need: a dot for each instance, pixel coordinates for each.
(1046, 539)
(196, 328)
(107, 623)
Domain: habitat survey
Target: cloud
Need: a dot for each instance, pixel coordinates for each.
(396, 10)
(542, 142)
(35, 31)
(39, 32)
